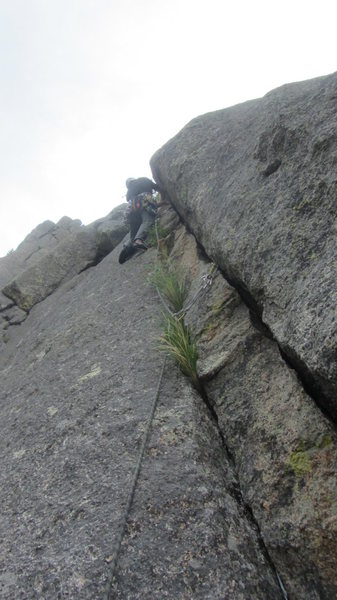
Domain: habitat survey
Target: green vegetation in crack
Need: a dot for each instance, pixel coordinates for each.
(176, 340)
(171, 285)
(218, 307)
(324, 441)
(154, 231)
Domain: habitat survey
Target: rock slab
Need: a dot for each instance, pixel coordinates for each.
(78, 379)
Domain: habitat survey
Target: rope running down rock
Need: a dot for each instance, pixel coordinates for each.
(122, 526)
(205, 282)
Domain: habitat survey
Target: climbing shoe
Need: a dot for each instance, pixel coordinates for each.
(140, 245)
(126, 253)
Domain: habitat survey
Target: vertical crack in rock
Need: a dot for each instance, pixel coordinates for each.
(178, 519)
(274, 235)
(237, 490)
(282, 445)
(309, 383)
(241, 388)
(306, 379)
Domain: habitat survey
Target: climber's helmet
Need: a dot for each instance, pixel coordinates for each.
(128, 181)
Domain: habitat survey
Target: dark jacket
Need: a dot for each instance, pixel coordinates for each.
(139, 186)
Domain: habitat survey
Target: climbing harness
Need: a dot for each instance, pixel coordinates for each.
(128, 505)
(143, 200)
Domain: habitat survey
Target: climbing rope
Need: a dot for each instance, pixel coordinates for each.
(122, 527)
(283, 590)
(205, 282)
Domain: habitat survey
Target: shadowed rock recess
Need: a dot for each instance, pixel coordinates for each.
(237, 494)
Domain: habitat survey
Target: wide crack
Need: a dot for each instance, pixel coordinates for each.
(310, 385)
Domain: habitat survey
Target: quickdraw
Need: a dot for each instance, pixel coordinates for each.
(206, 281)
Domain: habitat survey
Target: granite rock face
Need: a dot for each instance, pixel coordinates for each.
(69, 257)
(43, 238)
(237, 493)
(41, 241)
(78, 379)
(283, 448)
(257, 184)
(109, 231)
(51, 255)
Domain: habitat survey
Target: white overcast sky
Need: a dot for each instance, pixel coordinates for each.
(90, 89)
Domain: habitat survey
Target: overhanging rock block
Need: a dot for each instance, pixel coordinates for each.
(257, 185)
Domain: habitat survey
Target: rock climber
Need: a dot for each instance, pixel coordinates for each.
(140, 214)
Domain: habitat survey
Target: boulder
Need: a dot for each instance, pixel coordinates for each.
(256, 184)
